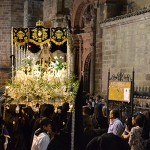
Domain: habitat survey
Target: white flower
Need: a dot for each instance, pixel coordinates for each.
(31, 81)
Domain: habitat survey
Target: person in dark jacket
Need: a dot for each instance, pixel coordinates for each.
(108, 141)
(62, 140)
(46, 110)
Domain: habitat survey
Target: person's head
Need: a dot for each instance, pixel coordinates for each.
(29, 111)
(89, 104)
(65, 107)
(46, 110)
(12, 109)
(86, 110)
(46, 124)
(91, 99)
(133, 119)
(139, 120)
(146, 113)
(98, 97)
(114, 113)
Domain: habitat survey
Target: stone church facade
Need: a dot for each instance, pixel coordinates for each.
(107, 34)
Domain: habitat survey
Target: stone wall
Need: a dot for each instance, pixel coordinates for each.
(35, 12)
(55, 11)
(17, 13)
(125, 46)
(5, 48)
(49, 12)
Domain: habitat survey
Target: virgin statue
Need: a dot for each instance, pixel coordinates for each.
(45, 57)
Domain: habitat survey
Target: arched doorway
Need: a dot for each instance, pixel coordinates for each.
(86, 75)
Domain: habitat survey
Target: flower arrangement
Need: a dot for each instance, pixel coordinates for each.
(32, 83)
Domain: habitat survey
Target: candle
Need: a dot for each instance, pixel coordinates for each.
(6, 90)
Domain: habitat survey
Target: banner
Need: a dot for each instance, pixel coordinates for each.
(20, 36)
(39, 35)
(58, 35)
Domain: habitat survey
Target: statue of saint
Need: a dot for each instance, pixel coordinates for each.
(45, 57)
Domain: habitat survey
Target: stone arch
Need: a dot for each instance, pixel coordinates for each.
(77, 20)
(80, 11)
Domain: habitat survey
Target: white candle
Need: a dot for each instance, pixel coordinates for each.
(6, 90)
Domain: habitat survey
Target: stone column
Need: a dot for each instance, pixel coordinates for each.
(92, 70)
(93, 50)
(81, 69)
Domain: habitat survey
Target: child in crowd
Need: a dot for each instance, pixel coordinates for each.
(135, 138)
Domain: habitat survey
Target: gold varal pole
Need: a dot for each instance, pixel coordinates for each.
(68, 55)
(16, 54)
(5, 101)
(12, 53)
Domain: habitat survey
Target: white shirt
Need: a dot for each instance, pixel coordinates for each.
(116, 127)
(40, 142)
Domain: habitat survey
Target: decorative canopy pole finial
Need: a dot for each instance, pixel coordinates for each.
(39, 23)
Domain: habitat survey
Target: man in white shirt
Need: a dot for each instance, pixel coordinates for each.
(115, 126)
(41, 137)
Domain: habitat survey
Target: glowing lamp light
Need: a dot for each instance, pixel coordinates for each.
(29, 46)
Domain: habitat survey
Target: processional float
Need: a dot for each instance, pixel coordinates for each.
(40, 52)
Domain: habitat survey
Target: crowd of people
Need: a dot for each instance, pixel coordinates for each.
(47, 129)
